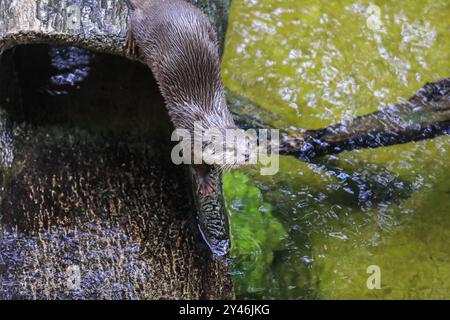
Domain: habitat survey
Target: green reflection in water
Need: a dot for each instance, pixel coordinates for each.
(256, 234)
(318, 62)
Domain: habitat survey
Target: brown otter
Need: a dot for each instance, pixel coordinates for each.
(179, 44)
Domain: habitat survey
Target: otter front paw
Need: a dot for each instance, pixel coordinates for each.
(205, 186)
(131, 45)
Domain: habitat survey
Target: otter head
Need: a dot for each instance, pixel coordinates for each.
(223, 148)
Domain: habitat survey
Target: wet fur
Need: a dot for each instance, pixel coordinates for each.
(180, 46)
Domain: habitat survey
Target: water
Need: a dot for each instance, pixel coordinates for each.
(313, 230)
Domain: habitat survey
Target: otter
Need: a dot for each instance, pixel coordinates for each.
(180, 46)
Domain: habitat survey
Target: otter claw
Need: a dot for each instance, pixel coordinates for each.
(205, 187)
(131, 45)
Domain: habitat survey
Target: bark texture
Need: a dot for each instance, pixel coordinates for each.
(98, 25)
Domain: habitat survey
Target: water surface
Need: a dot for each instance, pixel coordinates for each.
(312, 230)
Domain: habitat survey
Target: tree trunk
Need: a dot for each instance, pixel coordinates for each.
(96, 25)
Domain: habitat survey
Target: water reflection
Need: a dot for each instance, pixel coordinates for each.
(72, 66)
(313, 63)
